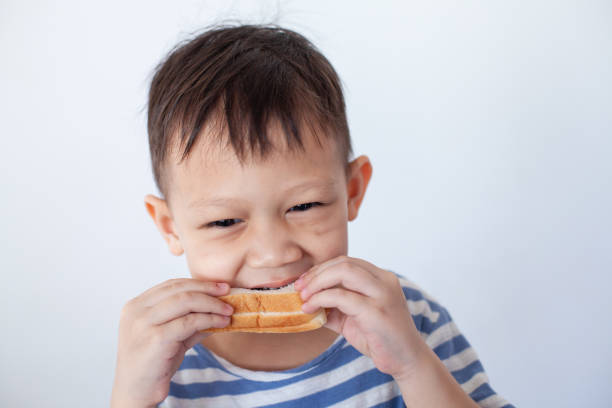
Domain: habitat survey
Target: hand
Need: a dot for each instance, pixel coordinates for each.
(156, 329)
(368, 308)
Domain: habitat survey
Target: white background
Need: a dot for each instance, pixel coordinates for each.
(488, 124)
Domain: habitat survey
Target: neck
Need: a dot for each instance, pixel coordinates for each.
(270, 351)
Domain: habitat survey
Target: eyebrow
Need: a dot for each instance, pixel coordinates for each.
(327, 185)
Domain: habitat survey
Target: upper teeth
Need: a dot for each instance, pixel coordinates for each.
(265, 288)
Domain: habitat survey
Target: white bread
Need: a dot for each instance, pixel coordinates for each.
(269, 311)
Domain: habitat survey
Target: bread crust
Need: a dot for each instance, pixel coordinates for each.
(269, 311)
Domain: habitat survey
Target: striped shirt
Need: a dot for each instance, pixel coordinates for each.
(340, 377)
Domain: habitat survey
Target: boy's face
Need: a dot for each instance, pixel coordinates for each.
(254, 226)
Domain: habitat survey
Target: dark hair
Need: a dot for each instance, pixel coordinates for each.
(242, 78)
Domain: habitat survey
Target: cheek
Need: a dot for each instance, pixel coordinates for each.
(212, 262)
(329, 239)
(323, 240)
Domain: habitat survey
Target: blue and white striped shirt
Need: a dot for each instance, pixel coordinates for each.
(340, 377)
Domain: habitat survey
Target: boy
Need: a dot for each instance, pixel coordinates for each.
(251, 149)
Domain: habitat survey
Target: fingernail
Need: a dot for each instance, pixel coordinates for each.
(228, 309)
(222, 285)
(224, 321)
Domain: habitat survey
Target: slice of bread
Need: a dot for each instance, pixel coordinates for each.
(269, 311)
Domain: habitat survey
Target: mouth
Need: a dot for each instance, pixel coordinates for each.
(276, 285)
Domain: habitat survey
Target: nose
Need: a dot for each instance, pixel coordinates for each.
(272, 246)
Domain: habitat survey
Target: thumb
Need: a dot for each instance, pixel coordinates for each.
(335, 320)
(195, 339)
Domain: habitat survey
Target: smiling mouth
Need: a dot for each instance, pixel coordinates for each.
(275, 285)
(280, 287)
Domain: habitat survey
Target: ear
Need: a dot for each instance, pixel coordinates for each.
(360, 172)
(160, 213)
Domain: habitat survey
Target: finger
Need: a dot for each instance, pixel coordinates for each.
(183, 303)
(335, 320)
(171, 287)
(348, 302)
(312, 272)
(320, 268)
(348, 275)
(183, 328)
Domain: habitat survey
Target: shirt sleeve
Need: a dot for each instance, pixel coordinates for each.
(441, 334)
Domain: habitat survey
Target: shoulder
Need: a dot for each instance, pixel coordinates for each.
(432, 319)
(428, 314)
(439, 331)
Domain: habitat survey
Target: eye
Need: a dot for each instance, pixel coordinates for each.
(228, 222)
(305, 207)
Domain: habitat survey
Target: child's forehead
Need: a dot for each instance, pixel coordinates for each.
(211, 166)
(213, 151)
(222, 178)
(224, 161)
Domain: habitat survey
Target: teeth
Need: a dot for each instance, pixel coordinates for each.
(280, 287)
